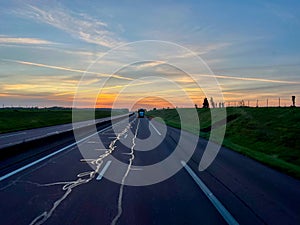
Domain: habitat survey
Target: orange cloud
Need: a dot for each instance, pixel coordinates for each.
(105, 100)
(152, 102)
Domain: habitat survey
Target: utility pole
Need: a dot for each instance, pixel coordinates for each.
(279, 101)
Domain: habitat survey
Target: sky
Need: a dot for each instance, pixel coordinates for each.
(52, 50)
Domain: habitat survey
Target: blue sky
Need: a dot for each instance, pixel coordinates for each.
(251, 46)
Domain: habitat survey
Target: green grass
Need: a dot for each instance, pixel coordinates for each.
(268, 135)
(23, 119)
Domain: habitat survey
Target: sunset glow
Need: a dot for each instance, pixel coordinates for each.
(43, 63)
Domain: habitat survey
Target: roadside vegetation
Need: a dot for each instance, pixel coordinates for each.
(268, 135)
(23, 119)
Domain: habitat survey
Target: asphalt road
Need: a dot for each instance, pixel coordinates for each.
(95, 184)
(13, 138)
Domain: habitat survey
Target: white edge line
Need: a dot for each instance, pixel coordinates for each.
(218, 205)
(154, 128)
(50, 155)
(103, 170)
(54, 132)
(11, 135)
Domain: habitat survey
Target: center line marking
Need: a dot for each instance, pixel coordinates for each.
(136, 168)
(155, 128)
(103, 170)
(100, 149)
(218, 205)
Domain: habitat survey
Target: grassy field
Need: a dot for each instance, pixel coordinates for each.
(269, 135)
(23, 119)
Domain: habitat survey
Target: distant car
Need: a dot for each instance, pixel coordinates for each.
(141, 113)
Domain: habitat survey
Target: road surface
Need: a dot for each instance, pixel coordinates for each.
(68, 188)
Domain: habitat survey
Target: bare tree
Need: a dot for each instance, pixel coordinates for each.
(205, 103)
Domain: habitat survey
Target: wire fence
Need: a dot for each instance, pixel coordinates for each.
(263, 102)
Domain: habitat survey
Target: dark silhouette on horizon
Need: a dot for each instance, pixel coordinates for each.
(205, 103)
(294, 100)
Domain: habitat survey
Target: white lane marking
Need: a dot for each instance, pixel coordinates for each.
(103, 170)
(11, 135)
(135, 168)
(154, 128)
(100, 149)
(218, 205)
(50, 155)
(55, 132)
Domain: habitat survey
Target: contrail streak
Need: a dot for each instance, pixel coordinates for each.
(251, 79)
(66, 69)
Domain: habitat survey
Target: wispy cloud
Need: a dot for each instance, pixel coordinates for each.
(281, 12)
(78, 25)
(67, 69)
(205, 49)
(147, 64)
(21, 40)
(110, 88)
(250, 79)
